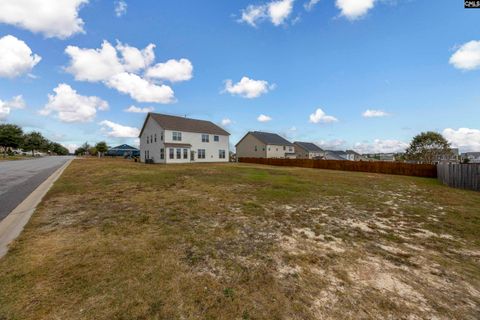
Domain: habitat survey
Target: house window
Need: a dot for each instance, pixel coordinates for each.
(155, 137)
(146, 155)
(177, 136)
(185, 153)
(151, 138)
(205, 138)
(216, 138)
(201, 153)
(171, 153)
(255, 148)
(147, 140)
(179, 153)
(161, 136)
(162, 153)
(284, 148)
(268, 148)
(221, 154)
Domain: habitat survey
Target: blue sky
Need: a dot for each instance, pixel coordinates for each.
(414, 64)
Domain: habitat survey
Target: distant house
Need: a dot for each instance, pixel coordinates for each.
(452, 156)
(307, 150)
(354, 156)
(257, 144)
(380, 156)
(473, 157)
(172, 139)
(123, 150)
(334, 155)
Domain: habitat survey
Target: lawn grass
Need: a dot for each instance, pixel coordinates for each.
(121, 240)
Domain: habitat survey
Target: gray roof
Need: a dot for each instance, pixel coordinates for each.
(168, 122)
(334, 155)
(123, 147)
(310, 147)
(353, 152)
(269, 138)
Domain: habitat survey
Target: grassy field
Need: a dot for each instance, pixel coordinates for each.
(121, 240)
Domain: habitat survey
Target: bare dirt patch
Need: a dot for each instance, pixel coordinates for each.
(119, 240)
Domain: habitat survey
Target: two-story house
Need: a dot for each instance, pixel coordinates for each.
(307, 150)
(257, 144)
(172, 139)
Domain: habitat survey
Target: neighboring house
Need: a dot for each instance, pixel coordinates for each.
(453, 156)
(473, 157)
(380, 156)
(172, 139)
(307, 150)
(333, 155)
(123, 150)
(257, 144)
(354, 156)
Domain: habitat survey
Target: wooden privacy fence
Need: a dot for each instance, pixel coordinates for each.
(399, 168)
(464, 176)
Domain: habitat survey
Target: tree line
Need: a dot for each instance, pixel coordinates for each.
(12, 137)
(98, 149)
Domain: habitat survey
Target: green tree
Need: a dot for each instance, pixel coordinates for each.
(101, 148)
(11, 136)
(428, 147)
(58, 149)
(92, 151)
(34, 141)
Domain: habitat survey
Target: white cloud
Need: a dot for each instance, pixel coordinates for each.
(277, 11)
(120, 8)
(72, 107)
(226, 122)
(172, 70)
(354, 9)
(119, 67)
(116, 130)
(94, 64)
(16, 57)
(253, 14)
(319, 116)
(465, 139)
(335, 144)
(6, 107)
(467, 57)
(71, 147)
(53, 18)
(140, 89)
(248, 88)
(133, 59)
(310, 4)
(370, 113)
(381, 146)
(264, 118)
(134, 109)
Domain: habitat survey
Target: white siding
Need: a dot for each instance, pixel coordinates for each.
(277, 151)
(152, 148)
(211, 148)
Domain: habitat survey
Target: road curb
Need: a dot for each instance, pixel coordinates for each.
(12, 225)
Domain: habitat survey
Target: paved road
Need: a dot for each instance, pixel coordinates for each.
(19, 178)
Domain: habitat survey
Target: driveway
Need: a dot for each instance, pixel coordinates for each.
(19, 178)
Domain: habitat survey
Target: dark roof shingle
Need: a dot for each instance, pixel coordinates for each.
(310, 147)
(168, 122)
(270, 138)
